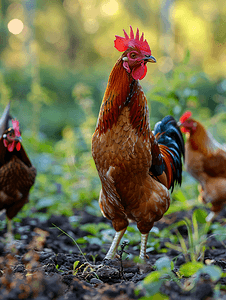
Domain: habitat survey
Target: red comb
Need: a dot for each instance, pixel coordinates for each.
(16, 127)
(123, 43)
(185, 116)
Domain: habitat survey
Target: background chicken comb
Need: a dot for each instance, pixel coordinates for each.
(16, 127)
(123, 43)
(185, 116)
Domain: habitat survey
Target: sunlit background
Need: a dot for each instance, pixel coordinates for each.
(56, 56)
(78, 34)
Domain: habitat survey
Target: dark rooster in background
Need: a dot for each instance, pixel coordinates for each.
(135, 167)
(206, 162)
(17, 175)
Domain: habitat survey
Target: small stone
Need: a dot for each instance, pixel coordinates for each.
(95, 281)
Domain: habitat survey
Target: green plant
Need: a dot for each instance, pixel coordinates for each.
(58, 268)
(153, 282)
(71, 239)
(98, 233)
(193, 270)
(219, 232)
(164, 272)
(197, 235)
(75, 269)
(87, 266)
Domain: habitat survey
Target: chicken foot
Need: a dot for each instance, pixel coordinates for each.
(114, 244)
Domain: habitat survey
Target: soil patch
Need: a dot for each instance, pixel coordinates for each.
(45, 264)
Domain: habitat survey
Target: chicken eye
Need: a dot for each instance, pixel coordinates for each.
(133, 55)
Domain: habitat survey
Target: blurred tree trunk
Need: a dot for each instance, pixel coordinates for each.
(31, 48)
(167, 30)
(3, 26)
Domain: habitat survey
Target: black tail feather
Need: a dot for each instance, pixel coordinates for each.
(168, 134)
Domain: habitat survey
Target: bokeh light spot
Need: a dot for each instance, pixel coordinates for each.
(110, 8)
(91, 26)
(15, 26)
(165, 64)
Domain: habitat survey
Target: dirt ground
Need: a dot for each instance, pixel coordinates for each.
(45, 264)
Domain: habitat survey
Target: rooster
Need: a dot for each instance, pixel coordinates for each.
(206, 162)
(17, 175)
(136, 168)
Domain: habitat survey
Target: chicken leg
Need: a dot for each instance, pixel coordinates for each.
(117, 239)
(143, 246)
(114, 244)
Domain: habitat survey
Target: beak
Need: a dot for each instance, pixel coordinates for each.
(18, 139)
(150, 58)
(179, 123)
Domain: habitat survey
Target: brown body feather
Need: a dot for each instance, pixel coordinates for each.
(17, 176)
(124, 148)
(205, 160)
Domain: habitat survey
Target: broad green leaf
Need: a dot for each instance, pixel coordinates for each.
(157, 296)
(190, 268)
(172, 265)
(94, 229)
(219, 231)
(163, 262)
(153, 276)
(155, 230)
(200, 215)
(131, 228)
(45, 202)
(81, 241)
(154, 287)
(213, 271)
(93, 240)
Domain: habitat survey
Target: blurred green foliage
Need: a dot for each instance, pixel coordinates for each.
(56, 69)
(55, 72)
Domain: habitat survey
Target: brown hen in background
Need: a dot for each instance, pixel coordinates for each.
(17, 175)
(205, 160)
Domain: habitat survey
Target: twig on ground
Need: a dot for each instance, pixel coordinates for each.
(120, 253)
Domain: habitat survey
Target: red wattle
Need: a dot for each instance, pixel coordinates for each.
(18, 146)
(145, 72)
(139, 72)
(11, 146)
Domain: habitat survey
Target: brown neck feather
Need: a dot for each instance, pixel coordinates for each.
(200, 140)
(122, 90)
